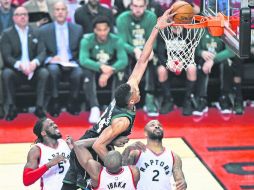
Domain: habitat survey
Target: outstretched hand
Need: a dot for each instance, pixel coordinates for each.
(165, 20)
(120, 141)
(70, 142)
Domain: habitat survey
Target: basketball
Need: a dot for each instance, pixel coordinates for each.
(184, 12)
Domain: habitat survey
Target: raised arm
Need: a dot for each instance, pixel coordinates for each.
(178, 173)
(141, 64)
(118, 126)
(87, 162)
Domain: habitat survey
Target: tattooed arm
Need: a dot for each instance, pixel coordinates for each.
(130, 157)
(178, 173)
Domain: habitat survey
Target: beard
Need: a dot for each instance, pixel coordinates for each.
(155, 136)
(54, 136)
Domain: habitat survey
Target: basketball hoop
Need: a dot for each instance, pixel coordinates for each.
(181, 40)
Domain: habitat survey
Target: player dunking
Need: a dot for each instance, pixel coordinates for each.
(118, 118)
(48, 158)
(157, 164)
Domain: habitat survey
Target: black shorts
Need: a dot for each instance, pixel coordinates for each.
(76, 175)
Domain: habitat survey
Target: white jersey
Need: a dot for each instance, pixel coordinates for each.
(53, 178)
(155, 170)
(122, 181)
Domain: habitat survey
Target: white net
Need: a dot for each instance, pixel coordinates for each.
(180, 45)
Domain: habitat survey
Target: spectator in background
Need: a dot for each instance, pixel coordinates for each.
(40, 6)
(23, 56)
(61, 40)
(211, 50)
(6, 13)
(124, 5)
(18, 2)
(85, 14)
(134, 27)
(48, 159)
(72, 5)
(103, 55)
(231, 99)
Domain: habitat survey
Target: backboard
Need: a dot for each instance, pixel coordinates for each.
(238, 40)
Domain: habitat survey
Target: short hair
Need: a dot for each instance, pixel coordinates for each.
(113, 161)
(122, 95)
(38, 128)
(100, 19)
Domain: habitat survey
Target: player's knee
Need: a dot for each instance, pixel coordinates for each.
(162, 73)
(191, 72)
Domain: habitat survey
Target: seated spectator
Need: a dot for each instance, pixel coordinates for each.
(103, 55)
(6, 13)
(211, 50)
(40, 6)
(23, 55)
(85, 14)
(61, 40)
(134, 28)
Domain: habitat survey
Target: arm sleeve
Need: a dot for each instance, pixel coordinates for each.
(121, 57)
(32, 175)
(223, 55)
(84, 57)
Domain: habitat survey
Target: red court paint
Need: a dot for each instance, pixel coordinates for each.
(225, 144)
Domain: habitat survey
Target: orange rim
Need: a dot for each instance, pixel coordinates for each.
(215, 24)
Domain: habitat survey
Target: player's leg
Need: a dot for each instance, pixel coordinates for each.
(189, 100)
(226, 78)
(237, 67)
(150, 79)
(167, 100)
(201, 90)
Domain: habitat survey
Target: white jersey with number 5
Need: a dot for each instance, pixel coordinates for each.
(155, 170)
(53, 178)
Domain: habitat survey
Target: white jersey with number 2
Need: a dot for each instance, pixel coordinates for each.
(53, 178)
(155, 170)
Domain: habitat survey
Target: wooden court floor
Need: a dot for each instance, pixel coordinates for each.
(217, 150)
(14, 157)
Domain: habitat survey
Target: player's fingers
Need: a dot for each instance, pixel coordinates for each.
(141, 146)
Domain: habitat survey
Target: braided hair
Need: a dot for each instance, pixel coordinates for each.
(37, 130)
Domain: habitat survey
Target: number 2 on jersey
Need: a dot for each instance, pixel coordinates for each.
(155, 177)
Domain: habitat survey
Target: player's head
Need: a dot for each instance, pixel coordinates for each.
(138, 8)
(46, 128)
(125, 95)
(113, 161)
(101, 28)
(154, 130)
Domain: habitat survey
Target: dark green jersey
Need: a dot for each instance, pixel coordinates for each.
(111, 52)
(135, 32)
(214, 45)
(111, 113)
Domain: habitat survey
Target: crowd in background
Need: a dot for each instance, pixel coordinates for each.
(95, 44)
